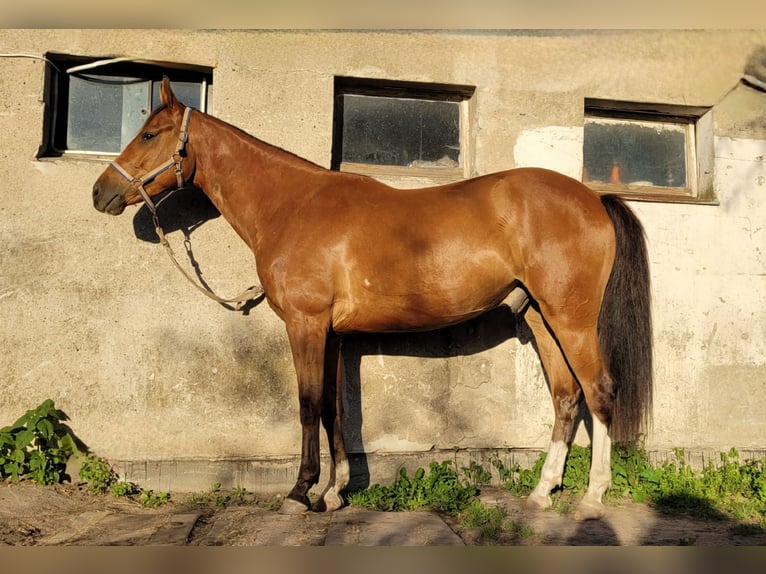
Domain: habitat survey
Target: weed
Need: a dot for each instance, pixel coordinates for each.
(441, 489)
(36, 446)
(216, 496)
(476, 474)
(123, 488)
(492, 522)
(98, 474)
(519, 481)
(151, 499)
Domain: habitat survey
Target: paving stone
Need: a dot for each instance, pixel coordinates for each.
(258, 527)
(359, 527)
(175, 531)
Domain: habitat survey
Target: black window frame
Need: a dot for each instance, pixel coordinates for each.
(387, 88)
(696, 120)
(57, 86)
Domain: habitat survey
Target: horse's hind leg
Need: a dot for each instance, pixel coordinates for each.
(332, 420)
(581, 347)
(566, 395)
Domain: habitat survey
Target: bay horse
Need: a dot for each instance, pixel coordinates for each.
(340, 253)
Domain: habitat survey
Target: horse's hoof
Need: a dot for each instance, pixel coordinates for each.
(329, 502)
(333, 501)
(292, 506)
(589, 510)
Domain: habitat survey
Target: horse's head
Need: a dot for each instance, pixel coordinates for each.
(155, 161)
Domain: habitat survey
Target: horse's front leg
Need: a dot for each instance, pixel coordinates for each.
(308, 338)
(332, 420)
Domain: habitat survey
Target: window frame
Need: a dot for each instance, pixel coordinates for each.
(57, 80)
(356, 86)
(698, 124)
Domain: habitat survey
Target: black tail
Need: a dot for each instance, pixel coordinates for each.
(625, 325)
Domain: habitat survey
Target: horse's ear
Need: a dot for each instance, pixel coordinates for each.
(167, 97)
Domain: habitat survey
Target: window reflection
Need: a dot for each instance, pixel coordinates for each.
(643, 153)
(400, 131)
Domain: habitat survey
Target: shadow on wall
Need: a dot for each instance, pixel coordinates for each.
(468, 338)
(184, 210)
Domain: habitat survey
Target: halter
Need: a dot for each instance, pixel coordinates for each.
(176, 161)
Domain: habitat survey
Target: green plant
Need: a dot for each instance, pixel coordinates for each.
(36, 446)
(520, 481)
(730, 489)
(123, 488)
(97, 473)
(488, 519)
(218, 497)
(442, 489)
(492, 522)
(477, 474)
(101, 477)
(152, 500)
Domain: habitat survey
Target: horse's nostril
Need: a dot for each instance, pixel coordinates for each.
(96, 191)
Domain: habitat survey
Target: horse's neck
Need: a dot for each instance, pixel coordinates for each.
(248, 180)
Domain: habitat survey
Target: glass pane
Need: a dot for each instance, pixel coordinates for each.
(135, 100)
(401, 131)
(104, 112)
(635, 152)
(190, 94)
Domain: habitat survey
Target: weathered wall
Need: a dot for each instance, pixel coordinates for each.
(95, 316)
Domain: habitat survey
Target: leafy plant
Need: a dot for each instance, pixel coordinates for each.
(492, 522)
(218, 497)
(519, 481)
(152, 500)
(101, 477)
(97, 473)
(729, 489)
(476, 474)
(442, 489)
(37, 446)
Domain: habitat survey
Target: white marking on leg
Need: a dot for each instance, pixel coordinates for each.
(600, 473)
(517, 300)
(551, 474)
(333, 499)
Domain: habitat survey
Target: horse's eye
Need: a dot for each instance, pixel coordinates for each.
(146, 136)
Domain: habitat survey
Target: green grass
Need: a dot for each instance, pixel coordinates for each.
(730, 490)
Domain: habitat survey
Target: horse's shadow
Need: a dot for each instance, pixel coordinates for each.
(182, 210)
(467, 338)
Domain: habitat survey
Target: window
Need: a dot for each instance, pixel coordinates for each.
(97, 106)
(650, 152)
(387, 128)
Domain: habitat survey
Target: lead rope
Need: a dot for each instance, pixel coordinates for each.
(238, 302)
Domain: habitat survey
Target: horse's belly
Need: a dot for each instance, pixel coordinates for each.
(409, 312)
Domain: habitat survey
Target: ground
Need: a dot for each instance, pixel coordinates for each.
(70, 515)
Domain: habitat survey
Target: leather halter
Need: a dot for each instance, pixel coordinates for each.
(176, 161)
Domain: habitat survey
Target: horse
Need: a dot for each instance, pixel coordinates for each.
(339, 253)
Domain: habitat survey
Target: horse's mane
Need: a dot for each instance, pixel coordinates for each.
(262, 143)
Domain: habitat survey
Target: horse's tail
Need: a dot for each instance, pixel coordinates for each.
(625, 325)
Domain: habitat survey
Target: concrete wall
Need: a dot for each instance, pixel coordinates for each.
(183, 393)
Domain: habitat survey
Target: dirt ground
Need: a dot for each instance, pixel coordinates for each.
(68, 515)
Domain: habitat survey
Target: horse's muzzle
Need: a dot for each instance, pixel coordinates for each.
(107, 199)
